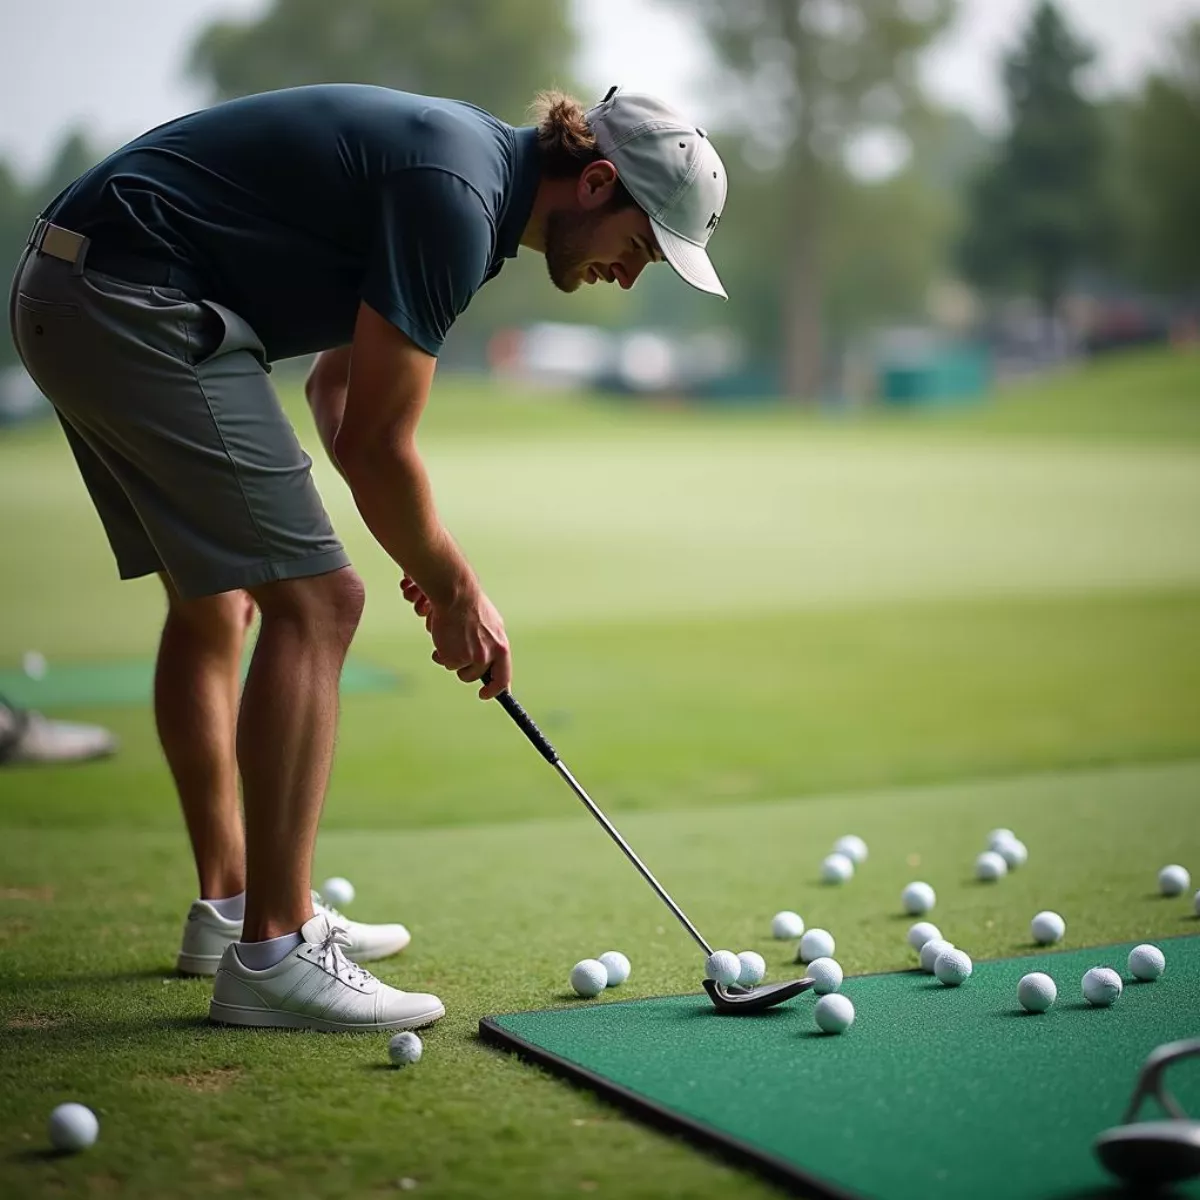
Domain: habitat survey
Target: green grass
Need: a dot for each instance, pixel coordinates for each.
(747, 634)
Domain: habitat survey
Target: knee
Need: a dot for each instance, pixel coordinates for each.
(222, 618)
(329, 606)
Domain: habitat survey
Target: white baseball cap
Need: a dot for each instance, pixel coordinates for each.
(671, 169)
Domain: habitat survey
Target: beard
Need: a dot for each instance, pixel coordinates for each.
(568, 242)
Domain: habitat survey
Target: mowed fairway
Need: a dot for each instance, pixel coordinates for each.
(746, 635)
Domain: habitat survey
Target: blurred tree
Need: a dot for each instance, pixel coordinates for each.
(1161, 155)
(808, 77)
(496, 55)
(1037, 211)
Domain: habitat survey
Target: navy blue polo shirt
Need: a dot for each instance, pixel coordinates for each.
(293, 206)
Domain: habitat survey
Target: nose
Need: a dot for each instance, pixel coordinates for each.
(626, 274)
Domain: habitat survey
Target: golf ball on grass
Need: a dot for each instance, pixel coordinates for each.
(1013, 851)
(827, 974)
(33, 663)
(404, 1049)
(1146, 962)
(1101, 986)
(918, 899)
(786, 925)
(930, 952)
(337, 891)
(853, 847)
(953, 967)
(1036, 992)
(999, 835)
(73, 1127)
(1047, 928)
(589, 977)
(834, 1013)
(921, 932)
(754, 968)
(1174, 880)
(723, 966)
(816, 943)
(990, 866)
(617, 966)
(836, 868)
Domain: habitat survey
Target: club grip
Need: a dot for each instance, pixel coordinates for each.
(524, 722)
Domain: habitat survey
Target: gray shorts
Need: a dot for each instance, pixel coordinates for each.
(187, 454)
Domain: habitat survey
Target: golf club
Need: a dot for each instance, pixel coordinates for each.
(1153, 1153)
(726, 997)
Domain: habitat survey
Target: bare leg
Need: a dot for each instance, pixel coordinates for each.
(195, 707)
(285, 740)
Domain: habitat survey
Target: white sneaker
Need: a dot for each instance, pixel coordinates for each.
(206, 934)
(316, 987)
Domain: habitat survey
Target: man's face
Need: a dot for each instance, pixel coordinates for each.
(593, 242)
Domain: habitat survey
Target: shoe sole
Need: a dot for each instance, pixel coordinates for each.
(269, 1018)
(197, 964)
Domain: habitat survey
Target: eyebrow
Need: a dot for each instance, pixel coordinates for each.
(656, 254)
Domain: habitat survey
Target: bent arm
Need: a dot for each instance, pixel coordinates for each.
(375, 447)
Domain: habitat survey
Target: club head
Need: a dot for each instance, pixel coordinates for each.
(734, 998)
(1151, 1152)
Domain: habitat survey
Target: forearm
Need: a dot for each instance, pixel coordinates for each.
(325, 390)
(393, 493)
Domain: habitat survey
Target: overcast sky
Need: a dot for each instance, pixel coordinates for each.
(116, 66)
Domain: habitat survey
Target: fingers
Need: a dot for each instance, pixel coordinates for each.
(501, 667)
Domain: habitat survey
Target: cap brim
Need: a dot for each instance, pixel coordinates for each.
(691, 262)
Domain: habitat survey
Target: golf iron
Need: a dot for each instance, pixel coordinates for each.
(726, 997)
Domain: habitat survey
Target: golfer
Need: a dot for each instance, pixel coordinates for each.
(356, 223)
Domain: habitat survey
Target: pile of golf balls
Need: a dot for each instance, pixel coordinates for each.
(591, 976)
(405, 1049)
(918, 898)
(836, 868)
(853, 847)
(73, 1127)
(1174, 880)
(816, 943)
(834, 1013)
(787, 925)
(1047, 928)
(337, 891)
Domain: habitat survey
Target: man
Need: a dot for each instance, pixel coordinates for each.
(358, 222)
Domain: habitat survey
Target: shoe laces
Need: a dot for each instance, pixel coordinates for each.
(331, 958)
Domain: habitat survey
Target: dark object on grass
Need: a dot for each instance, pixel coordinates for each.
(730, 998)
(1154, 1153)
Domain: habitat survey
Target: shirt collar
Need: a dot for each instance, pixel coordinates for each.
(527, 173)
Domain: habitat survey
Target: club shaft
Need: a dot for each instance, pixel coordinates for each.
(611, 830)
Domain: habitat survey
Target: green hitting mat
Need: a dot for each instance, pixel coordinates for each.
(933, 1091)
(131, 681)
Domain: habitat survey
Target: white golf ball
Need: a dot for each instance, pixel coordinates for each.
(1036, 992)
(1013, 851)
(33, 663)
(834, 1013)
(921, 932)
(930, 952)
(754, 968)
(786, 925)
(990, 866)
(836, 868)
(953, 967)
(1174, 880)
(337, 891)
(816, 943)
(723, 966)
(589, 977)
(1047, 928)
(827, 973)
(853, 847)
(1146, 962)
(405, 1048)
(73, 1127)
(617, 966)
(999, 835)
(1101, 986)
(918, 899)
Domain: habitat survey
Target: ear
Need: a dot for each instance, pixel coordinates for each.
(596, 184)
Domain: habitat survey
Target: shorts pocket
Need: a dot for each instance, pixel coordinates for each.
(46, 308)
(223, 332)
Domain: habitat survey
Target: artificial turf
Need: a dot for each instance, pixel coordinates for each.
(746, 636)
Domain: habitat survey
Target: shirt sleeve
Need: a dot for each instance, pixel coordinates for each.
(430, 253)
